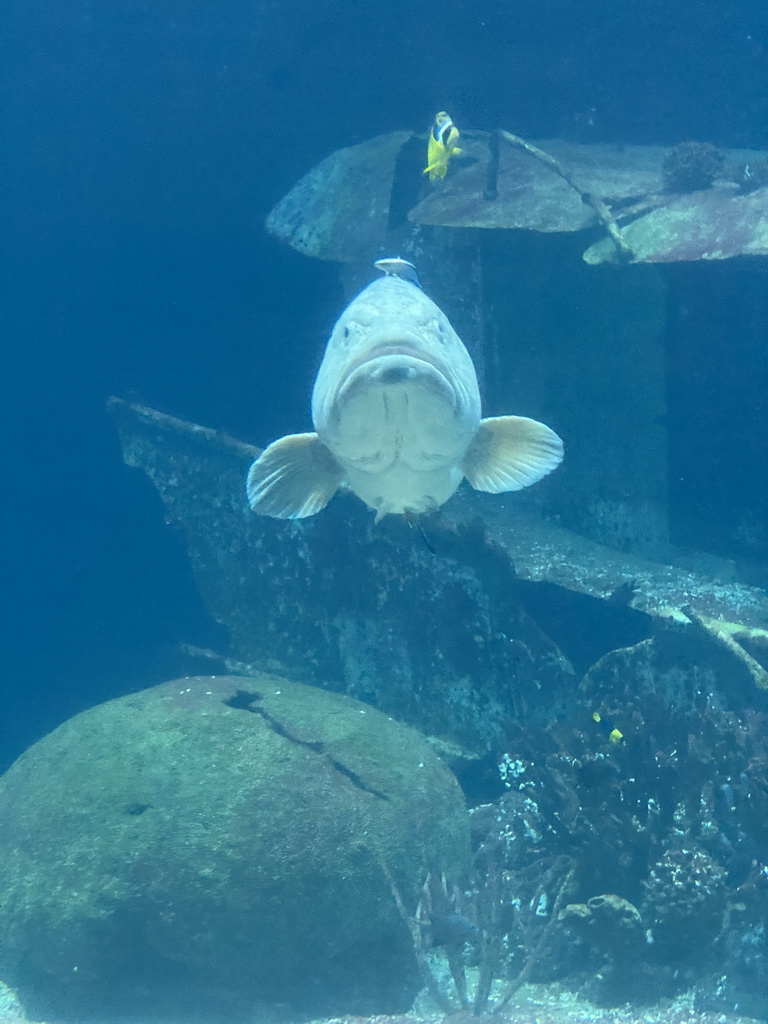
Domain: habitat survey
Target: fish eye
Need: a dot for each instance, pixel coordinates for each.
(346, 332)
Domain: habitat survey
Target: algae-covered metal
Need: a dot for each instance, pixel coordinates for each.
(340, 209)
(716, 223)
(487, 625)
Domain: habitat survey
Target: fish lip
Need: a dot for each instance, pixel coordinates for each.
(356, 375)
(413, 353)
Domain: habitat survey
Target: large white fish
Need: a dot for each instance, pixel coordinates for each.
(396, 408)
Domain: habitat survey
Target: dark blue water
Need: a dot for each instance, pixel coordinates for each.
(143, 145)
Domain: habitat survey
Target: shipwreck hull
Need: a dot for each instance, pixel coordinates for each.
(487, 616)
(581, 285)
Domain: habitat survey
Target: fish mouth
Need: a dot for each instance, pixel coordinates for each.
(395, 363)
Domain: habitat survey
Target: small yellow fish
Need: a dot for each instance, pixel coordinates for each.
(615, 736)
(443, 144)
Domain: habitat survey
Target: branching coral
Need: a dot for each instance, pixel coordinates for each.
(691, 166)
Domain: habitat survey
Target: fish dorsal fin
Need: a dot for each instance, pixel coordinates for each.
(511, 452)
(295, 477)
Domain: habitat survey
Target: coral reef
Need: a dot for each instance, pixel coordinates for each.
(685, 900)
(691, 166)
(626, 855)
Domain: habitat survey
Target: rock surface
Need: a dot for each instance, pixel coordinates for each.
(218, 842)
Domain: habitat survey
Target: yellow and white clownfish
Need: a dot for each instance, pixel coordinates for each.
(443, 144)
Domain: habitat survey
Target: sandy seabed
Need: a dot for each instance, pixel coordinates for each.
(533, 1004)
(551, 1004)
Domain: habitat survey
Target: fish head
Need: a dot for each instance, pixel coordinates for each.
(396, 397)
(392, 334)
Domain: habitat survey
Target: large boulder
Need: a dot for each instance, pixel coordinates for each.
(221, 843)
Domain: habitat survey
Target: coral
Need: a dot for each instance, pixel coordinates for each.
(685, 900)
(656, 839)
(608, 922)
(750, 176)
(691, 166)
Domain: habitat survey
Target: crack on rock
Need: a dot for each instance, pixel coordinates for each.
(245, 700)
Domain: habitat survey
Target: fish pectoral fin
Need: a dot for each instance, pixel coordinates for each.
(511, 452)
(294, 477)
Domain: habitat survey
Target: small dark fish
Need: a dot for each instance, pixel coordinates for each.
(624, 593)
(453, 930)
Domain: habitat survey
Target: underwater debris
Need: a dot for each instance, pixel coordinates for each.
(465, 643)
(602, 212)
(340, 210)
(726, 634)
(455, 643)
(691, 166)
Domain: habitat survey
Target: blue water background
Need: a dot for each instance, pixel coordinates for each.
(143, 144)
